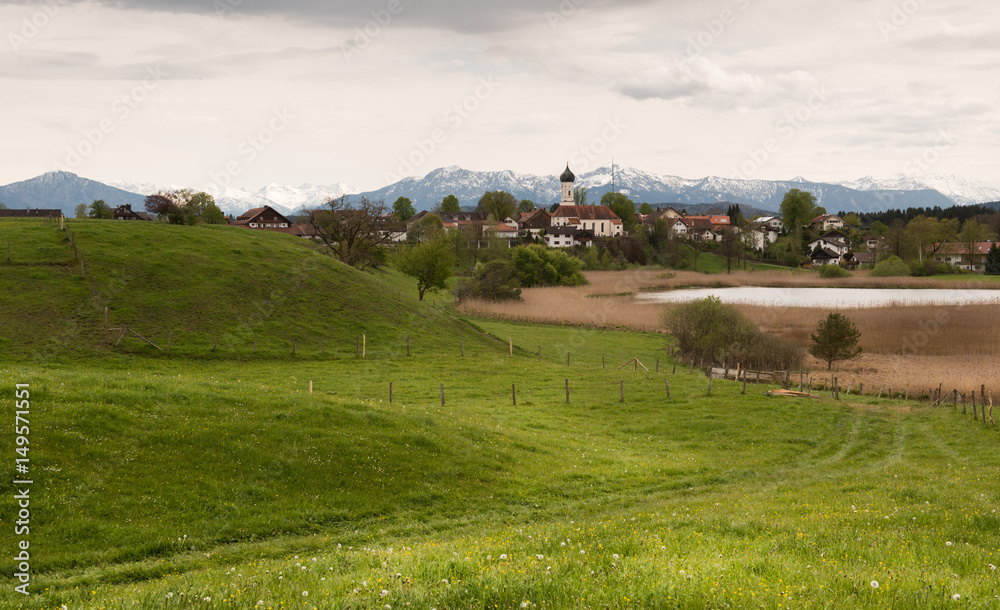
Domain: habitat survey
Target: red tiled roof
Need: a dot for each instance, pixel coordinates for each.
(586, 212)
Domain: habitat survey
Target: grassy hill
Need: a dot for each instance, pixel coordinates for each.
(202, 284)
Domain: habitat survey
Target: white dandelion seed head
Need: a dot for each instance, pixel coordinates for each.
(874, 584)
(305, 594)
(956, 597)
(383, 593)
(948, 543)
(540, 557)
(615, 556)
(503, 555)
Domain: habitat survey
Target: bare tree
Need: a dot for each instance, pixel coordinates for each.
(354, 232)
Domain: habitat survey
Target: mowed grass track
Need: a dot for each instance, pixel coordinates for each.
(164, 484)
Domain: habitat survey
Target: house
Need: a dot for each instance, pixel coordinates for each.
(830, 244)
(677, 227)
(768, 234)
(856, 259)
(502, 230)
(568, 236)
(957, 254)
(535, 222)
(700, 228)
(874, 242)
(773, 222)
(827, 222)
(124, 212)
(826, 256)
(31, 213)
(599, 219)
(836, 234)
(266, 218)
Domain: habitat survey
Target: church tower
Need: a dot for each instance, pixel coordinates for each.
(567, 178)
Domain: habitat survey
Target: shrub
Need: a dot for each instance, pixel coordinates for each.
(494, 281)
(539, 266)
(707, 330)
(891, 267)
(833, 271)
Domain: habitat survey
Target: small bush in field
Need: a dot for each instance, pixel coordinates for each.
(833, 271)
(891, 267)
(708, 330)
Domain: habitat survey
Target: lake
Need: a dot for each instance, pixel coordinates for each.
(829, 297)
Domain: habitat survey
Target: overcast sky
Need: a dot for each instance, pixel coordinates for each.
(252, 92)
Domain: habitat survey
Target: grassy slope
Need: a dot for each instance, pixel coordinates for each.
(157, 478)
(203, 284)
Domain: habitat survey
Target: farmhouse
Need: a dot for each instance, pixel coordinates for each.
(957, 254)
(266, 218)
(535, 221)
(124, 212)
(773, 222)
(828, 243)
(827, 222)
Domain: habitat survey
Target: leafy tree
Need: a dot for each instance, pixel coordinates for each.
(182, 206)
(929, 233)
(498, 204)
(797, 208)
(580, 195)
(731, 246)
(538, 266)
(645, 209)
(160, 204)
(449, 205)
(213, 215)
(553, 207)
(99, 209)
(851, 220)
(427, 228)
(403, 209)
(353, 232)
(972, 233)
(81, 210)
(526, 205)
(993, 260)
(430, 263)
(836, 338)
(621, 205)
(879, 228)
(898, 242)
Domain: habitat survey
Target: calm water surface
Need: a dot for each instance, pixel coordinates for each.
(829, 297)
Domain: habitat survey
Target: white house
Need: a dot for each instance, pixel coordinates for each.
(773, 222)
(567, 237)
(834, 245)
(828, 222)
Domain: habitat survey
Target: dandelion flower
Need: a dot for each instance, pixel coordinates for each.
(503, 556)
(615, 556)
(583, 552)
(540, 557)
(384, 593)
(874, 584)
(948, 543)
(305, 594)
(524, 604)
(956, 597)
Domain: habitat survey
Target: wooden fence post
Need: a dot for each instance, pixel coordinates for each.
(390, 392)
(106, 317)
(880, 391)
(666, 382)
(709, 385)
(836, 390)
(675, 369)
(364, 345)
(462, 347)
(513, 393)
(965, 410)
(510, 341)
(954, 399)
(744, 390)
(407, 345)
(310, 386)
(442, 394)
(567, 391)
(800, 381)
(602, 362)
(622, 390)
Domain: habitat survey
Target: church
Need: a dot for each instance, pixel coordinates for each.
(598, 220)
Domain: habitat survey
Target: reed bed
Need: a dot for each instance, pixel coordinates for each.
(910, 346)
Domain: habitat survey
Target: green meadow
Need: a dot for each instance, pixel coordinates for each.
(211, 476)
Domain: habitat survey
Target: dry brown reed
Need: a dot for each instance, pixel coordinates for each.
(912, 346)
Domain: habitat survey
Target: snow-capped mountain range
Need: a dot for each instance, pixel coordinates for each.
(863, 195)
(65, 190)
(285, 199)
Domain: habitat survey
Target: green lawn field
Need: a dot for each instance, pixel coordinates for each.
(218, 480)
